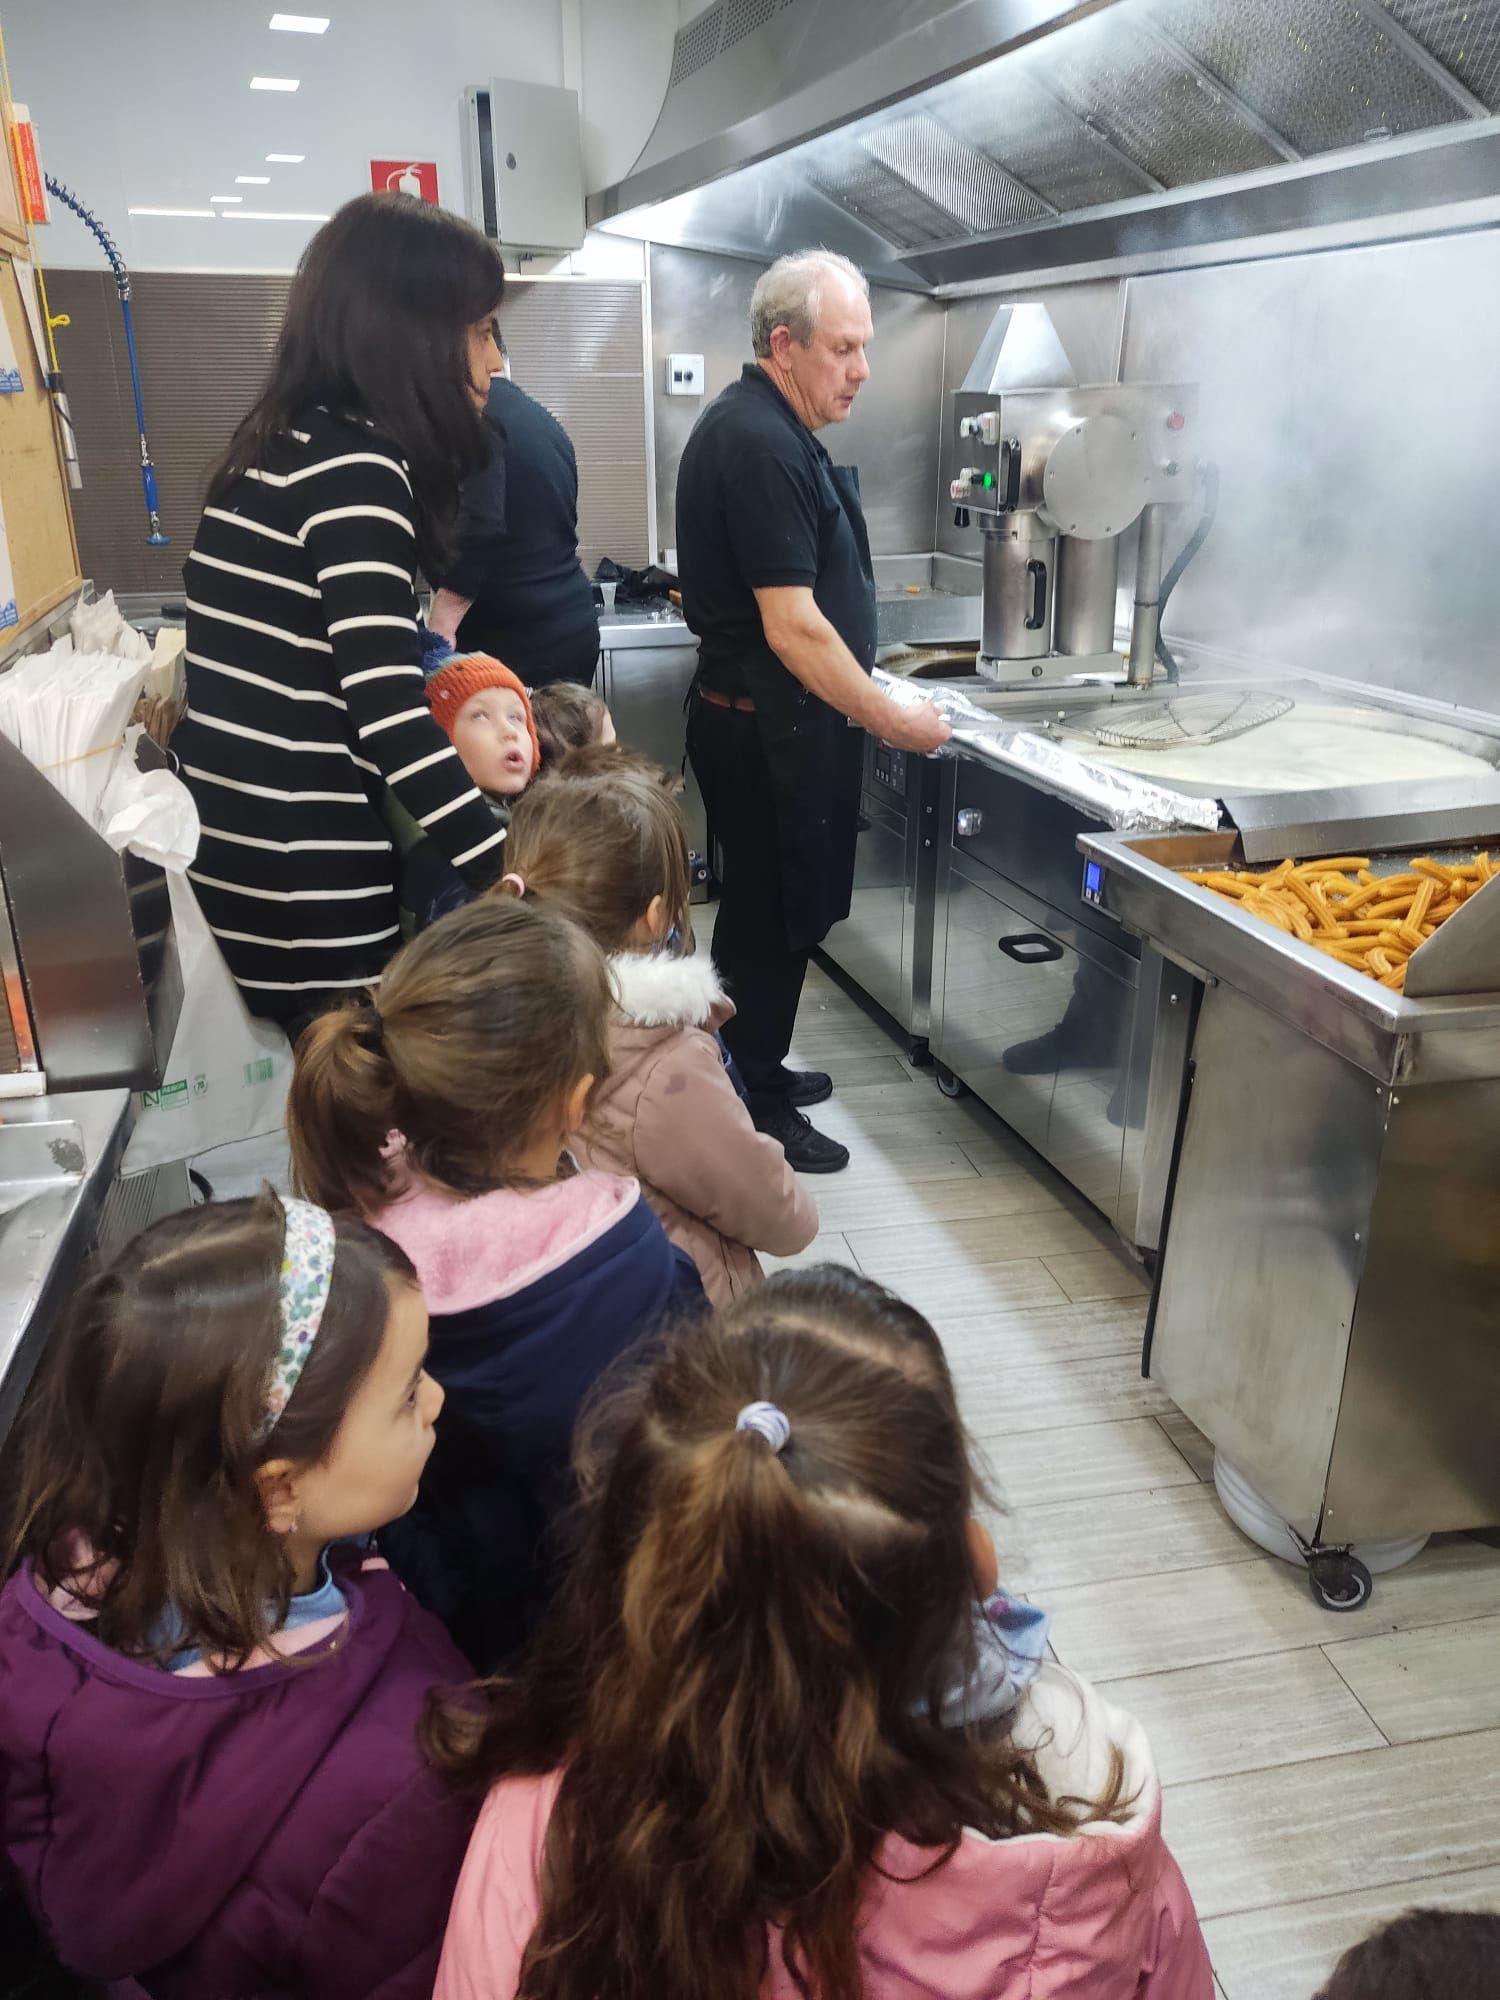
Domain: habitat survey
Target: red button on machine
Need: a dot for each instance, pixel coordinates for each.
(1176, 421)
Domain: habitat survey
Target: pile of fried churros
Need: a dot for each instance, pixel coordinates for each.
(1371, 922)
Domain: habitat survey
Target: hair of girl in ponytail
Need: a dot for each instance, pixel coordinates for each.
(743, 1682)
(603, 848)
(482, 1024)
(139, 1444)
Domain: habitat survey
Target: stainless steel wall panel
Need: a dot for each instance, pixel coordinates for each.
(1351, 401)
(700, 304)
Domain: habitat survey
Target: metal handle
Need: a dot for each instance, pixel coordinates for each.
(1043, 949)
(970, 821)
(1037, 571)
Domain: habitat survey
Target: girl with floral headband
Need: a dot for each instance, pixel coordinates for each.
(209, 1776)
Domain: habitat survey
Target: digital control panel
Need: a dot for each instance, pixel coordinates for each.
(1093, 883)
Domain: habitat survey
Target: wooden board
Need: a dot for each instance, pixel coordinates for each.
(33, 482)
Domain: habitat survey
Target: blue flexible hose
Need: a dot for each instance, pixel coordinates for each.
(122, 285)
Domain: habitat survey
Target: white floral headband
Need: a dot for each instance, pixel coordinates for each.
(306, 1273)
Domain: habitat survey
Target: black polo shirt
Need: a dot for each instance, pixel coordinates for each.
(758, 505)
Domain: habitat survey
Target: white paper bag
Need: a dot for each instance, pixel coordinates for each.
(227, 1076)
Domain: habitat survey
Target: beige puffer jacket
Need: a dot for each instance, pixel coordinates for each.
(668, 1114)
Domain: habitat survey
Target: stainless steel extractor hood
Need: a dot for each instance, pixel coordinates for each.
(944, 141)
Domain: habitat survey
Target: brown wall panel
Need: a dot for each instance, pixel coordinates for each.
(204, 340)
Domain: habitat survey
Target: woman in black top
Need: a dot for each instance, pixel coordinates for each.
(304, 676)
(516, 589)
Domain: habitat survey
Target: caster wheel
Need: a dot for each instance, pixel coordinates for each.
(948, 1083)
(918, 1054)
(1339, 1582)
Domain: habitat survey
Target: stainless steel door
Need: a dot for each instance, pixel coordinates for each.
(873, 944)
(1036, 1016)
(1004, 983)
(646, 689)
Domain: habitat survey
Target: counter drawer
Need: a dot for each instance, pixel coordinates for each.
(1039, 1030)
(1029, 837)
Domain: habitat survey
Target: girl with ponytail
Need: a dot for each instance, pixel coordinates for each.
(773, 1742)
(443, 1118)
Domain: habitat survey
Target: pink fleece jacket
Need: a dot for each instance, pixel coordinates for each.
(668, 1114)
(1101, 1915)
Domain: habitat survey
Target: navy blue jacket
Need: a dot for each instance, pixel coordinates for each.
(533, 1297)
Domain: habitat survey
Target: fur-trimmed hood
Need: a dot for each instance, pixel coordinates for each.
(654, 990)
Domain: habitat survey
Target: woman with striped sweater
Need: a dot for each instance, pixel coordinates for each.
(304, 678)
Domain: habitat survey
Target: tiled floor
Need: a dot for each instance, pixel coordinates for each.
(1322, 1773)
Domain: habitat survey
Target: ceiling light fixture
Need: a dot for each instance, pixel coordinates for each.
(285, 159)
(270, 215)
(252, 180)
(223, 200)
(275, 83)
(300, 24)
(208, 214)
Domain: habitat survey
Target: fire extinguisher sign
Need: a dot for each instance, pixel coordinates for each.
(414, 177)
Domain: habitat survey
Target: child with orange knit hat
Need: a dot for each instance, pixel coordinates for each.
(486, 713)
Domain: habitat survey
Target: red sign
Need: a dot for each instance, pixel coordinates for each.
(415, 177)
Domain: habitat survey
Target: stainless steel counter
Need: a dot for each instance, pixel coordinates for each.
(627, 629)
(646, 666)
(58, 1157)
(1324, 1302)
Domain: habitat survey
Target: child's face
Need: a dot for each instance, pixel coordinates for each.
(370, 1475)
(493, 742)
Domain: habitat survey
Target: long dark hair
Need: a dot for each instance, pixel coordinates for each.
(743, 1682)
(141, 1439)
(376, 326)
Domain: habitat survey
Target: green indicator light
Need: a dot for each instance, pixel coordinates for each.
(989, 479)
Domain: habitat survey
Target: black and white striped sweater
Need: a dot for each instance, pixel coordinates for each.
(305, 698)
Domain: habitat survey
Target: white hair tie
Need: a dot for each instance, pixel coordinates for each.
(768, 1422)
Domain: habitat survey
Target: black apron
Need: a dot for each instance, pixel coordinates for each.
(815, 758)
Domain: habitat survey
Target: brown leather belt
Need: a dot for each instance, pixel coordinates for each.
(740, 703)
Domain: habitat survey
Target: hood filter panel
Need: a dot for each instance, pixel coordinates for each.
(1463, 36)
(1323, 76)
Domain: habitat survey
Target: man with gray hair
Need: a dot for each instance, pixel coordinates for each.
(777, 583)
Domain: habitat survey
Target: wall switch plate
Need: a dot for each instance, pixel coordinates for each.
(684, 374)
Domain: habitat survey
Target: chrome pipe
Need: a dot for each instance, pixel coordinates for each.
(1146, 621)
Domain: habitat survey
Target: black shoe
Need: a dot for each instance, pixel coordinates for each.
(1035, 1058)
(806, 1086)
(1060, 1048)
(808, 1150)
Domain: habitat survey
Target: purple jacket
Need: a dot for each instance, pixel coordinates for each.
(267, 1833)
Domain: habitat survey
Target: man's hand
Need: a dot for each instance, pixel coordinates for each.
(808, 647)
(921, 729)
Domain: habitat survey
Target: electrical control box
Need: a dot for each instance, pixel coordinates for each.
(523, 164)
